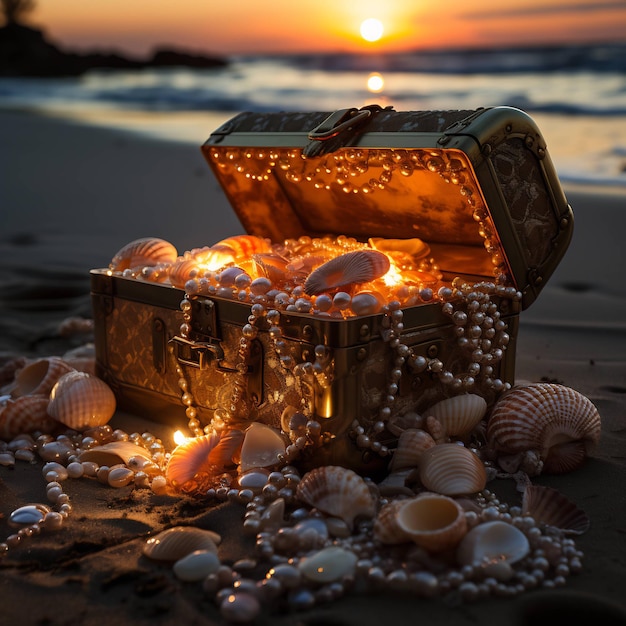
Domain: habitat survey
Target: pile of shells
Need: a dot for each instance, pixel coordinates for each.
(338, 277)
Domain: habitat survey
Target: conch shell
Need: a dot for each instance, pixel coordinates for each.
(143, 252)
(338, 492)
(81, 401)
(359, 266)
(555, 422)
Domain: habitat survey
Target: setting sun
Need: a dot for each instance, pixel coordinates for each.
(372, 29)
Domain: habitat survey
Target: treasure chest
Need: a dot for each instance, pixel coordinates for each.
(387, 258)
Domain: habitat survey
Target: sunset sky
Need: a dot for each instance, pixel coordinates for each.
(244, 26)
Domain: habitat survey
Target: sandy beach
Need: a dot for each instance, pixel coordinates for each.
(71, 195)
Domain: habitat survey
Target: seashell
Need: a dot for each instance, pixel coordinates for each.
(414, 247)
(386, 528)
(452, 469)
(396, 483)
(550, 507)
(367, 303)
(411, 445)
(433, 521)
(274, 267)
(492, 542)
(196, 566)
(337, 491)
(120, 477)
(142, 252)
(397, 424)
(557, 422)
(234, 249)
(435, 429)
(190, 459)
(38, 377)
(328, 565)
(254, 479)
(24, 415)
(182, 270)
(81, 401)
(113, 453)
(359, 266)
(262, 447)
(177, 542)
(28, 515)
(460, 414)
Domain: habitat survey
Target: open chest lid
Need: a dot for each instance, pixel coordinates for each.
(478, 187)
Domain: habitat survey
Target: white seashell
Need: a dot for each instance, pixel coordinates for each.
(557, 422)
(491, 542)
(550, 507)
(360, 266)
(196, 566)
(452, 469)
(328, 565)
(142, 252)
(175, 543)
(38, 377)
(338, 492)
(24, 415)
(113, 453)
(28, 514)
(262, 447)
(411, 445)
(433, 521)
(460, 414)
(81, 401)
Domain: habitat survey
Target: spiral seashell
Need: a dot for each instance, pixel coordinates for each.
(550, 507)
(39, 376)
(411, 445)
(360, 266)
(25, 414)
(235, 249)
(452, 470)
(460, 414)
(337, 491)
(81, 401)
(433, 521)
(175, 543)
(142, 252)
(491, 542)
(557, 422)
(262, 447)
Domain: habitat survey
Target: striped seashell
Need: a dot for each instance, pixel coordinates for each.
(492, 542)
(337, 491)
(433, 521)
(25, 414)
(235, 249)
(182, 270)
(452, 470)
(557, 422)
(411, 445)
(550, 507)
(81, 401)
(177, 542)
(460, 414)
(39, 376)
(386, 528)
(142, 252)
(360, 266)
(192, 458)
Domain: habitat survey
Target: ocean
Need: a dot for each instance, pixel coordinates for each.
(577, 94)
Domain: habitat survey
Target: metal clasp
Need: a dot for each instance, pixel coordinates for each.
(200, 354)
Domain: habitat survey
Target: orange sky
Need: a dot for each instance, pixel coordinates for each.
(236, 26)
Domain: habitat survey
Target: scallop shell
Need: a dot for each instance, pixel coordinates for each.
(192, 458)
(177, 542)
(81, 401)
(411, 445)
(234, 249)
(337, 491)
(25, 415)
(433, 521)
(557, 422)
(492, 542)
(262, 447)
(39, 376)
(460, 414)
(550, 507)
(181, 271)
(142, 252)
(452, 469)
(360, 266)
